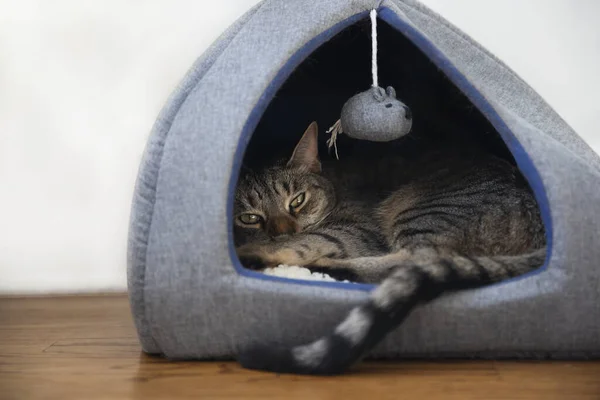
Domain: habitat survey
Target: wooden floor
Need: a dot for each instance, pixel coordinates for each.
(86, 348)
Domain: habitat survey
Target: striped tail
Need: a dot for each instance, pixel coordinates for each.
(408, 284)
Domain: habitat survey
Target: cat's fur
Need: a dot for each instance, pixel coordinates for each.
(419, 228)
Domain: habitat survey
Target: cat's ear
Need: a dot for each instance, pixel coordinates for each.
(306, 153)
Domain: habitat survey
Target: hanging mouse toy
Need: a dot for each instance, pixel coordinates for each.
(374, 114)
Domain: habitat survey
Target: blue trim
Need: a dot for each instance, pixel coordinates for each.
(522, 158)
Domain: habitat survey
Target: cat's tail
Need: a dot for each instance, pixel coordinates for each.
(410, 282)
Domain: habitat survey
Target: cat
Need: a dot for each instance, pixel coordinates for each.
(417, 228)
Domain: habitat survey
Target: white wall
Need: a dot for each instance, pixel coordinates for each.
(82, 81)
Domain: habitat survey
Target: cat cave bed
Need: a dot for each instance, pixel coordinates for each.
(285, 63)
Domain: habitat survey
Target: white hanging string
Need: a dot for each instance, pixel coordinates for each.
(374, 47)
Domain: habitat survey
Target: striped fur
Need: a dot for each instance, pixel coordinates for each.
(417, 228)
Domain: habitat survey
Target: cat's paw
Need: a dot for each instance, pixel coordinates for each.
(260, 256)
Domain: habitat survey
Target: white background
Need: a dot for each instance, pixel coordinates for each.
(82, 81)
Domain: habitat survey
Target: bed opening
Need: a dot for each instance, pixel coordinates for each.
(443, 120)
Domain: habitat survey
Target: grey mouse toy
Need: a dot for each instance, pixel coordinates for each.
(375, 114)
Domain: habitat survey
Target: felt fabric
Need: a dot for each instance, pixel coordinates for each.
(190, 297)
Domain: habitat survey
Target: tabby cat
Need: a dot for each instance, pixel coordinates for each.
(418, 228)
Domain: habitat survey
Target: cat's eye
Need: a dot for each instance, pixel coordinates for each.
(250, 219)
(297, 201)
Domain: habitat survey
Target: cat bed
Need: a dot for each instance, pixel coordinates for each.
(189, 295)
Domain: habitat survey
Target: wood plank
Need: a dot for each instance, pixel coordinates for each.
(84, 347)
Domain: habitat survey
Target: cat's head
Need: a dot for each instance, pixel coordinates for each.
(284, 199)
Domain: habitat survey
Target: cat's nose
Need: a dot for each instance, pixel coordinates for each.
(407, 113)
(281, 225)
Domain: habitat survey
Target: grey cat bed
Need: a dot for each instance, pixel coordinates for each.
(191, 298)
